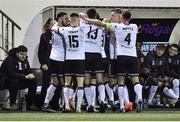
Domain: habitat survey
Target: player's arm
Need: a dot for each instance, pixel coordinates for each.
(108, 26)
(55, 26)
(92, 21)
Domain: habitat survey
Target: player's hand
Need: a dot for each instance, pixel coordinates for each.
(44, 67)
(30, 76)
(165, 78)
(146, 71)
(106, 20)
(82, 16)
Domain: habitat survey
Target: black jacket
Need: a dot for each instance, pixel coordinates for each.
(13, 68)
(141, 58)
(174, 65)
(45, 47)
(158, 65)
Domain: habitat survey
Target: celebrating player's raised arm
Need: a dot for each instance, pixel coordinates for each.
(92, 21)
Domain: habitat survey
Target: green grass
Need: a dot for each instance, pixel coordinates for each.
(144, 116)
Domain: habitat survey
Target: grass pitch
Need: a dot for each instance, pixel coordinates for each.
(132, 116)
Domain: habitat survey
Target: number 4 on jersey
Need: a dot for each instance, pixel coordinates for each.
(128, 38)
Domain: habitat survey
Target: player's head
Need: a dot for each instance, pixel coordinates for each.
(21, 53)
(173, 50)
(62, 18)
(74, 19)
(115, 15)
(160, 49)
(126, 15)
(48, 25)
(91, 13)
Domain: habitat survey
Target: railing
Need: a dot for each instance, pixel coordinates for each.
(7, 32)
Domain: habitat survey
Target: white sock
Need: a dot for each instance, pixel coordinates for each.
(138, 91)
(66, 97)
(110, 92)
(136, 100)
(71, 93)
(93, 94)
(152, 93)
(101, 89)
(175, 83)
(80, 94)
(50, 94)
(121, 96)
(126, 95)
(87, 91)
(169, 92)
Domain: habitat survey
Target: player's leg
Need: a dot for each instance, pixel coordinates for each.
(175, 85)
(88, 70)
(68, 77)
(80, 92)
(93, 93)
(121, 72)
(79, 71)
(153, 83)
(110, 85)
(56, 69)
(133, 71)
(127, 104)
(87, 89)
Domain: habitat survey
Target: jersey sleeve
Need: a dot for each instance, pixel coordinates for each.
(60, 29)
(82, 22)
(136, 28)
(55, 27)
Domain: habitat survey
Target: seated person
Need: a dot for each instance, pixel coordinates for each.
(16, 74)
(173, 59)
(159, 74)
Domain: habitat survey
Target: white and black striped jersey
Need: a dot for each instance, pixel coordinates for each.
(57, 51)
(125, 39)
(93, 38)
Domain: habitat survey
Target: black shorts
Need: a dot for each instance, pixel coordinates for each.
(57, 68)
(93, 63)
(74, 67)
(113, 69)
(127, 65)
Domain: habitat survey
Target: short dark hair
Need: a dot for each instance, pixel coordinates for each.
(97, 16)
(21, 48)
(60, 14)
(175, 45)
(91, 13)
(160, 46)
(74, 15)
(117, 10)
(126, 14)
(47, 22)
